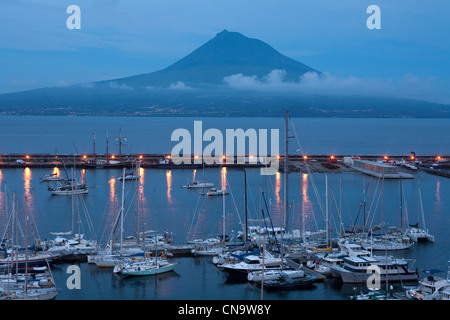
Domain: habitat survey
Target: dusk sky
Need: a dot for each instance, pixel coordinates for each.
(118, 38)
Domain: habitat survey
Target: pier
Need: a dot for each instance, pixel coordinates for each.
(296, 163)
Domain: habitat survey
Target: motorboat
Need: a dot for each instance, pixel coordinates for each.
(215, 192)
(199, 184)
(50, 177)
(430, 288)
(359, 269)
(290, 281)
(253, 263)
(69, 188)
(145, 267)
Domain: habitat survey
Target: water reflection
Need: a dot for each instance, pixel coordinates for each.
(112, 203)
(278, 186)
(169, 184)
(438, 188)
(141, 177)
(3, 213)
(56, 171)
(27, 184)
(223, 181)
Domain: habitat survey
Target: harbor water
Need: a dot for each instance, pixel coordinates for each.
(186, 213)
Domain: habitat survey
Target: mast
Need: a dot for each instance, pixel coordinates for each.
(286, 168)
(401, 203)
(94, 145)
(421, 210)
(73, 211)
(326, 206)
(119, 139)
(302, 196)
(26, 251)
(122, 209)
(245, 206)
(107, 151)
(364, 206)
(223, 208)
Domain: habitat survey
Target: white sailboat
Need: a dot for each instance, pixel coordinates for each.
(146, 267)
(50, 177)
(25, 286)
(215, 192)
(414, 232)
(198, 184)
(72, 245)
(110, 257)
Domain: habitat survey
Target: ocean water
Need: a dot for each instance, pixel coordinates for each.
(69, 135)
(165, 206)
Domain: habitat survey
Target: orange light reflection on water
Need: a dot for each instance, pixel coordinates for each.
(223, 181)
(278, 186)
(169, 184)
(56, 171)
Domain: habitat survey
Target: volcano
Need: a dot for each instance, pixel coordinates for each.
(196, 85)
(228, 53)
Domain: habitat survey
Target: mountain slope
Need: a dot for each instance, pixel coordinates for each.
(195, 86)
(226, 54)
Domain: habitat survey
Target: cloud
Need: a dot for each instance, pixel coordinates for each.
(88, 85)
(115, 85)
(179, 85)
(408, 86)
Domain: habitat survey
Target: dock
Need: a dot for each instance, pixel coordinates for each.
(296, 163)
(297, 266)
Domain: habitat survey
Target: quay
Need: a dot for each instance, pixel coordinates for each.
(368, 164)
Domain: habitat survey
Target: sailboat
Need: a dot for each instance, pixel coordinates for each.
(198, 184)
(415, 233)
(216, 192)
(390, 241)
(110, 257)
(50, 177)
(145, 267)
(75, 247)
(22, 286)
(134, 175)
(67, 187)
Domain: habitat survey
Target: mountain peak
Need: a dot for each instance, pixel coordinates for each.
(226, 54)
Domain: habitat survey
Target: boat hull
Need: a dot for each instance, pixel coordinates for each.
(149, 272)
(363, 277)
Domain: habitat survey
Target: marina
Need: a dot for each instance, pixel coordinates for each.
(201, 221)
(180, 252)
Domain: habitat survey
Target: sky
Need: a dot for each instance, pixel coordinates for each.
(408, 55)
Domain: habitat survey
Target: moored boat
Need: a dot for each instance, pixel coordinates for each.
(359, 269)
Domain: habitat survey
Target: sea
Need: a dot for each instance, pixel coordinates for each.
(167, 207)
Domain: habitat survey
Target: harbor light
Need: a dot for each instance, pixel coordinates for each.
(305, 157)
(141, 156)
(385, 157)
(113, 157)
(84, 156)
(438, 158)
